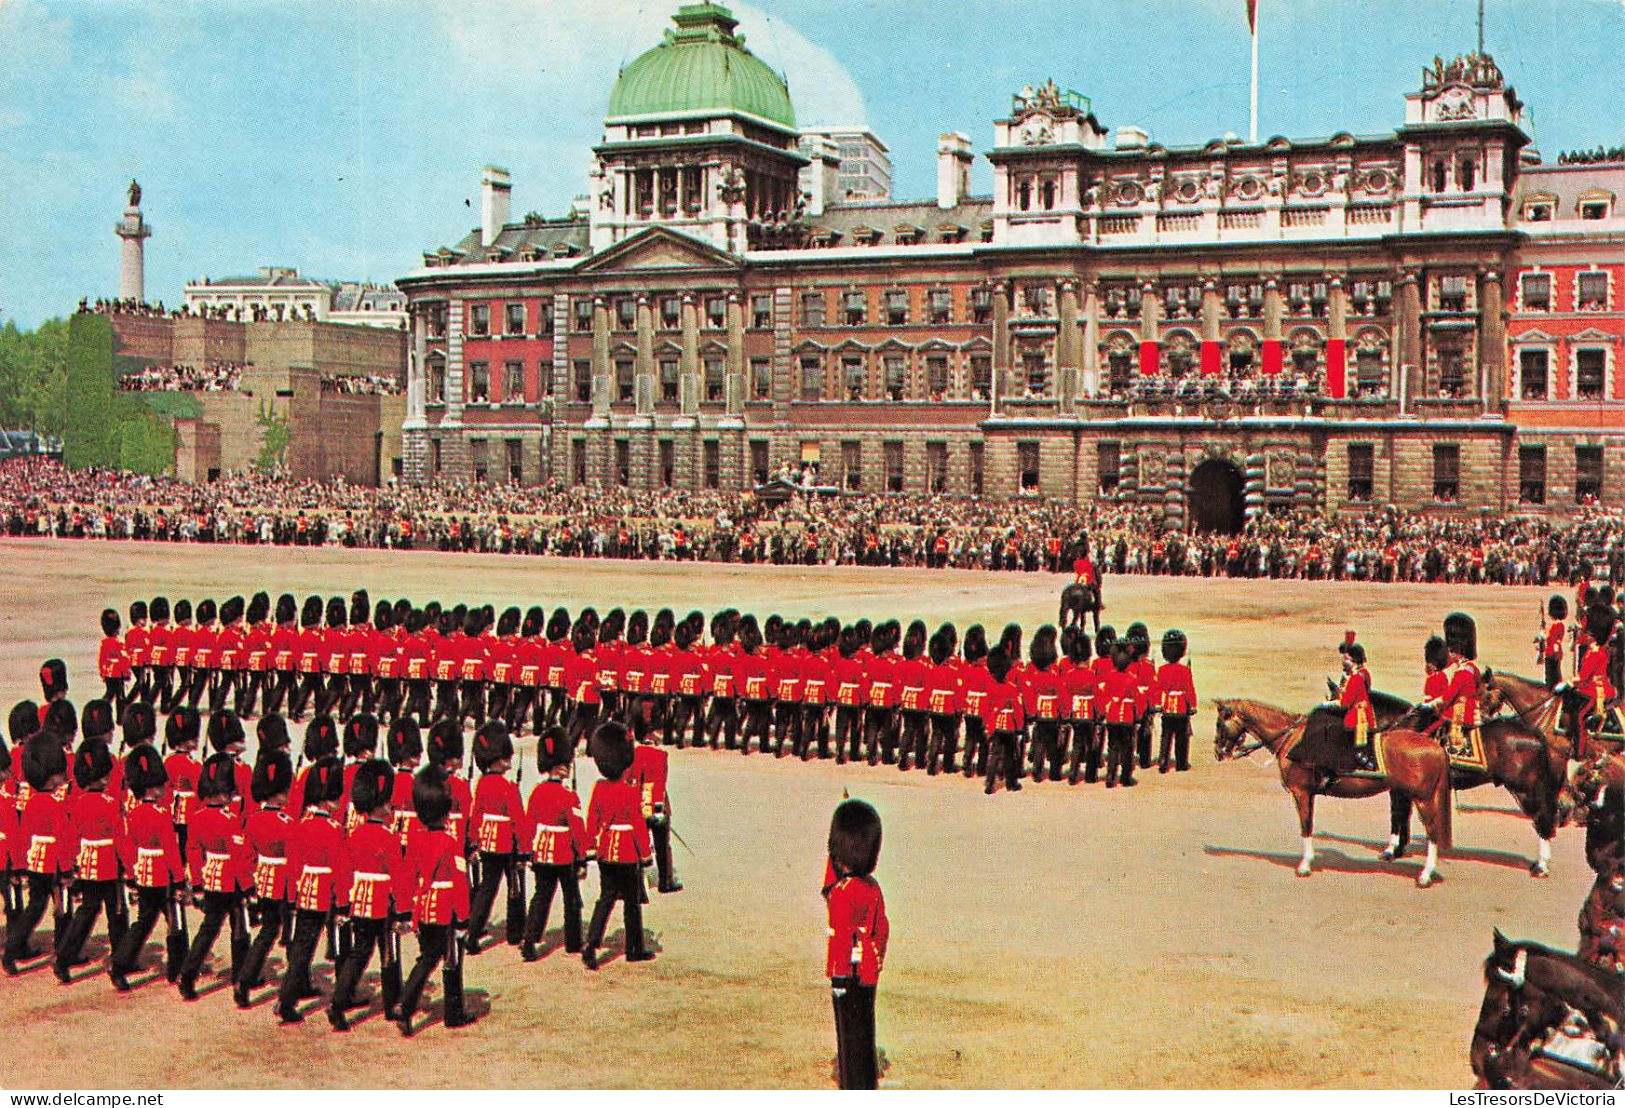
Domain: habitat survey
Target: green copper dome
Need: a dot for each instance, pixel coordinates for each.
(701, 66)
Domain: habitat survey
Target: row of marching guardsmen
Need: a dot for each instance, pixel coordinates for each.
(358, 849)
(881, 693)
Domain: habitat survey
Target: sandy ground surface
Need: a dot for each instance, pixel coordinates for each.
(1060, 937)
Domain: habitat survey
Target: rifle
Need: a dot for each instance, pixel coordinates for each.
(1540, 643)
(177, 940)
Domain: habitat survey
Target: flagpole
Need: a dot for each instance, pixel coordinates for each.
(1252, 119)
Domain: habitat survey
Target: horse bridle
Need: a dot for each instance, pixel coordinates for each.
(1259, 741)
(1523, 714)
(1517, 974)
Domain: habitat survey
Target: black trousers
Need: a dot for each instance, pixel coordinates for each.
(583, 718)
(278, 686)
(1142, 741)
(1120, 753)
(880, 734)
(41, 893)
(786, 725)
(914, 727)
(1176, 740)
(95, 897)
(856, 1064)
(848, 732)
(150, 903)
(814, 732)
(660, 835)
(246, 691)
(306, 687)
(217, 909)
(437, 945)
(758, 722)
(685, 716)
(473, 702)
(1554, 672)
(621, 881)
(494, 868)
(367, 935)
(723, 717)
(273, 917)
(308, 927)
(548, 879)
(1004, 751)
(944, 744)
(521, 701)
(1086, 735)
(1046, 749)
(115, 695)
(160, 689)
(975, 746)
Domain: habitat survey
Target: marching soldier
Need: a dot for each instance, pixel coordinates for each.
(1145, 681)
(279, 680)
(113, 661)
(912, 674)
(858, 936)
(42, 844)
(1553, 636)
(266, 837)
(648, 774)
(376, 897)
(321, 743)
(231, 657)
(404, 745)
(621, 836)
(849, 679)
(307, 655)
(1003, 720)
(1176, 700)
(150, 857)
(318, 878)
(1120, 693)
(687, 717)
(160, 657)
(942, 700)
(1079, 688)
(436, 873)
(181, 769)
(1458, 705)
(501, 831)
(559, 846)
(254, 670)
(218, 869)
(135, 651)
(721, 660)
(95, 823)
(975, 681)
(885, 692)
(1042, 692)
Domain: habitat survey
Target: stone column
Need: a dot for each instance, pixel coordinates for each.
(1492, 342)
(688, 368)
(1150, 313)
(1338, 312)
(603, 382)
(1210, 310)
(417, 390)
(1273, 310)
(646, 387)
(1408, 320)
(1091, 337)
(735, 386)
(1001, 341)
(132, 231)
(1066, 347)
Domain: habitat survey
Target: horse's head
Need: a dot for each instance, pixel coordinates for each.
(1590, 781)
(1501, 1015)
(1229, 728)
(1491, 696)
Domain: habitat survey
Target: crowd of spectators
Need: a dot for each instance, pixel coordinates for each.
(363, 384)
(39, 497)
(213, 377)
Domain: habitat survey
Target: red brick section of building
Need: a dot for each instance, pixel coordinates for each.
(1212, 329)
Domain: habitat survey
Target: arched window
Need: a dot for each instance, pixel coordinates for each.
(1047, 191)
(1438, 176)
(1468, 174)
(1024, 195)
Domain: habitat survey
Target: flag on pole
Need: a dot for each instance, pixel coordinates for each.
(1252, 16)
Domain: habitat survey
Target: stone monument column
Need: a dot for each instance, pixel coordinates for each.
(132, 230)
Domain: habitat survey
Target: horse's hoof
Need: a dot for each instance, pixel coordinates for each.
(1388, 856)
(1304, 871)
(1539, 869)
(1424, 881)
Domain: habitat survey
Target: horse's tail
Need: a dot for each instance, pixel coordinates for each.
(1442, 802)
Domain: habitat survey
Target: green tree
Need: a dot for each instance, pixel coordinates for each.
(34, 377)
(274, 438)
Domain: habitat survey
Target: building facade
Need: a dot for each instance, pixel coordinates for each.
(1219, 329)
(864, 163)
(280, 293)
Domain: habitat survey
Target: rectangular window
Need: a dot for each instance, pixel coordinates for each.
(1369, 379)
(758, 461)
(515, 324)
(854, 309)
(981, 376)
(1362, 467)
(812, 308)
(513, 382)
(1590, 367)
(479, 319)
(936, 376)
(1594, 209)
(582, 314)
(1591, 292)
(714, 387)
(668, 463)
(812, 379)
(716, 312)
(626, 313)
(1035, 372)
(936, 467)
(1109, 464)
(1537, 292)
(761, 311)
(896, 377)
(852, 465)
(896, 307)
(668, 380)
(578, 461)
(1120, 370)
(981, 304)
(671, 312)
(437, 382)
(761, 379)
(1587, 474)
(476, 458)
(1453, 294)
(434, 452)
(1452, 373)
(625, 380)
(581, 371)
(1027, 466)
(978, 468)
(942, 306)
(1532, 374)
(479, 383)
(544, 318)
(437, 321)
(1531, 475)
(852, 376)
(1446, 472)
(711, 456)
(892, 454)
(623, 462)
(516, 461)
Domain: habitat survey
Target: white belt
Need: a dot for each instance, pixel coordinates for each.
(95, 842)
(550, 827)
(149, 851)
(265, 860)
(318, 870)
(488, 816)
(184, 792)
(211, 856)
(620, 827)
(440, 884)
(44, 838)
(371, 876)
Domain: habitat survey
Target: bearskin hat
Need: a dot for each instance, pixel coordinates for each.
(286, 608)
(431, 799)
(938, 650)
(582, 639)
(790, 634)
(750, 635)
(138, 611)
(402, 609)
(553, 749)
(1355, 653)
(360, 606)
(337, 613)
(324, 781)
(144, 770)
(360, 735)
(1600, 621)
(110, 622)
(1077, 648)
(473, 622)
(416, 621)
(311, 614)
(951, 633)
(535, 619)
(272, 733)
(60, 720)
(259, 606)
(1173, 645)
(404, 741)
(321, 739)
(1042, 653)
(1010, 640)
(97, 722)
(445, 743)
(371, 786)
(1434, 652)
(854, 838)
(722, 630)
(92, 762)
(23, 721)
(139, 725)
(612, 627)
(637, 628)
(975, 648)
(865, 630)
(1122, 654)
(205, 612)
(914, 640)
(893, 632)
(610, 750)
(219, 777)
(1104, 637)
(432, 610)
(53, 677)
(231, 611)
(159, 609)
(848, 642)
(183, 611)
(182, 727)
(43, 759)
(696, 621)
(1461, 634)
(683, 636)
(225, 731)
(1558, 607)
(660, 633)
(998, 664)
(558, 625)
(665, 617)
(383, 616)
(492, 744)
(273, 776)
(1139, 639)
(446, 623)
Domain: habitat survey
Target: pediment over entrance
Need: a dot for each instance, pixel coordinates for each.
(659, 248)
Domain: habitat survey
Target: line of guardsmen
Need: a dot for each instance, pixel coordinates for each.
(356, 849)
(785, 686)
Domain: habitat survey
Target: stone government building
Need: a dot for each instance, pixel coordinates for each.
(1429, 316)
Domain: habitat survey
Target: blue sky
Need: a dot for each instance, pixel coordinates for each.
(344, 138)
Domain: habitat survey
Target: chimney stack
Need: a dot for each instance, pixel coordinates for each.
(821, 178)
(954, 159)
(495, 190)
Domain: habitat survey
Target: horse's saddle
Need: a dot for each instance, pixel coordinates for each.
(1324, 743)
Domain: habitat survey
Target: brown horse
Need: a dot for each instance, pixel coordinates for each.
(1417, 769)
(1528, 991)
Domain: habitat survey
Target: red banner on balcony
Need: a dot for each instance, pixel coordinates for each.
(1149, 357)
(1210, 359)
(1336, 369)
(1272, 357)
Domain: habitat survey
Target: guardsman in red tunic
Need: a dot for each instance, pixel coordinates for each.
(229, 658)
(621, 838)
(1120, 696)
(650, 770)
(502, 667)
(318, 879)
(1359, 718)
(608, 655)
(885, 692)
(858, 935)
(135, 650)
(850, 681)
(437, 875)
(1592, 682)
(632, 675)
(1003, 719)
(360, 746)
(974, 684)
(943, 700)
(8, 830)
(559, 846)
(1553, 639)
(358, 690)
(1458, 707)
(721, 661)
(444, 751)
(226, 737)
(160, 654)
(1042, 694)
(283, 671)
(687, 719)
(377, 895)
(581, 680)
(817, 689)
(474, 665)
(753, 679)
(42, 853)
(554, 653)
(1176, 701)
(501, 832)
(181, 737)
(1078, 690)
(94, 826)
(182, 640)
(205, 653)
(265, 838)
(150, 857)
(914, 722)
(788, 668)
(404, 745)
(333, 654)
(1145, 681)
(321, 743)
(254, 657)
(307, 657)
(417, 666)
(112, 662)
(219, 868)
(384, 691)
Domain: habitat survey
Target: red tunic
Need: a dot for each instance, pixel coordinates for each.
(1081, 690)
(378, 877)
(111, 659)
(616, 824)
(159, 636)
(437, 876)
(8, 826)
(560, 835)
(499, 823)
(1041, 694)
(1356, 698)
(135, 645)
(1121, 693)
(1459, 703)
(1001, 708)
(648, 773)
(44, 836)
(183, 774)
(942, 689)
(148, 850)
(858, 930)
(318, 863)
(216, 856)
(94, 825)
(885, 687)
(266, 835)
(913, 674)
(688, 673)
(1176, 692)
(581, 677)
(1592, 680)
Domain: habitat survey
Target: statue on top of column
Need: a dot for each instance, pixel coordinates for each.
(135, 194)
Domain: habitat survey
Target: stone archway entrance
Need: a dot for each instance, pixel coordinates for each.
(1216, 502)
